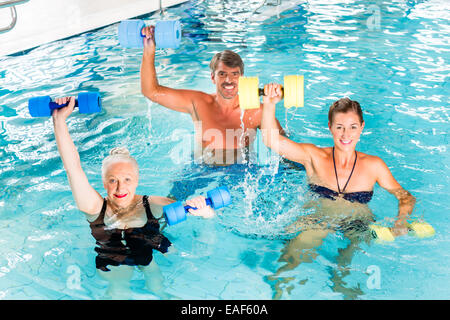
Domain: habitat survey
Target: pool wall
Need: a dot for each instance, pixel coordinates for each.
(43, 21)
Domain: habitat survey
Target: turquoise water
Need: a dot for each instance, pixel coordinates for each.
(391, 57)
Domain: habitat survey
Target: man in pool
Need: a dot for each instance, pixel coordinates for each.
(217, 117)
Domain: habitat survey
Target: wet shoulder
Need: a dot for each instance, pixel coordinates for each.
(370, 161)
(205, 98)
(322, 153)
(368, 158)
(157, 203)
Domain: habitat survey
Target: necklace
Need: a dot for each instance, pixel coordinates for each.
(341, 193)
(120, 212)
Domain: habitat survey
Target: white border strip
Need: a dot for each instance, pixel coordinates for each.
(43, 21)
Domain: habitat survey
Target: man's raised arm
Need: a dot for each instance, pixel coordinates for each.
(175, 99)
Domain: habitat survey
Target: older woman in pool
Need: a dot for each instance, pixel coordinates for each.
(342, 177)
(124, 224)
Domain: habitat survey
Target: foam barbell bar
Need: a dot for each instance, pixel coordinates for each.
(87, 102)
(419, 229)
(216, 198)
(249, 92)
(167, 33)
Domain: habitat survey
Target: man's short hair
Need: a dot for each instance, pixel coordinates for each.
(229, 58)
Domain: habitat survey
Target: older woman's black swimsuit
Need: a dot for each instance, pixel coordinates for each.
(133, 246)
(361, 196)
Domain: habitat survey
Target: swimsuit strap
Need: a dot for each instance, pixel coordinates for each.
(102, 212)
(335, 172)
(148, 211)
(101, 216)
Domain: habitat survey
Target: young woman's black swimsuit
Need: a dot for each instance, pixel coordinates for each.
(133, 246)
(361, 196)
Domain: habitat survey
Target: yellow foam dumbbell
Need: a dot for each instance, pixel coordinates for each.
(381, 233)
(419, 229)
(249, 92)
(422, 229)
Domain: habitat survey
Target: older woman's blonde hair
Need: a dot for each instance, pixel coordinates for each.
(118, 154)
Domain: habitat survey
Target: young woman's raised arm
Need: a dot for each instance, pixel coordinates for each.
(273, 138)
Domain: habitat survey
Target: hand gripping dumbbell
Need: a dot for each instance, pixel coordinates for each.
(217, 198)
(87, 102)
(249, 92)
(419, 229)
(167, 34)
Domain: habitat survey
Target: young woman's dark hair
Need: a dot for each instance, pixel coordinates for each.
(345, 105)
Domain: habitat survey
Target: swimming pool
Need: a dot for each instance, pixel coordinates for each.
(392, 58)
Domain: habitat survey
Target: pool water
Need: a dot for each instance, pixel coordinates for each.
(391, 57)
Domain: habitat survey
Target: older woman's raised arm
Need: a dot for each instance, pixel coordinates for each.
(87, 199)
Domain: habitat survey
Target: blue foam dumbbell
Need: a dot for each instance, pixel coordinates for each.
(167, 33)
(87, 102)
(216, 198)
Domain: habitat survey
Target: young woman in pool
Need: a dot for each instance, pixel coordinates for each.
(124, 224)
(342, 177)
